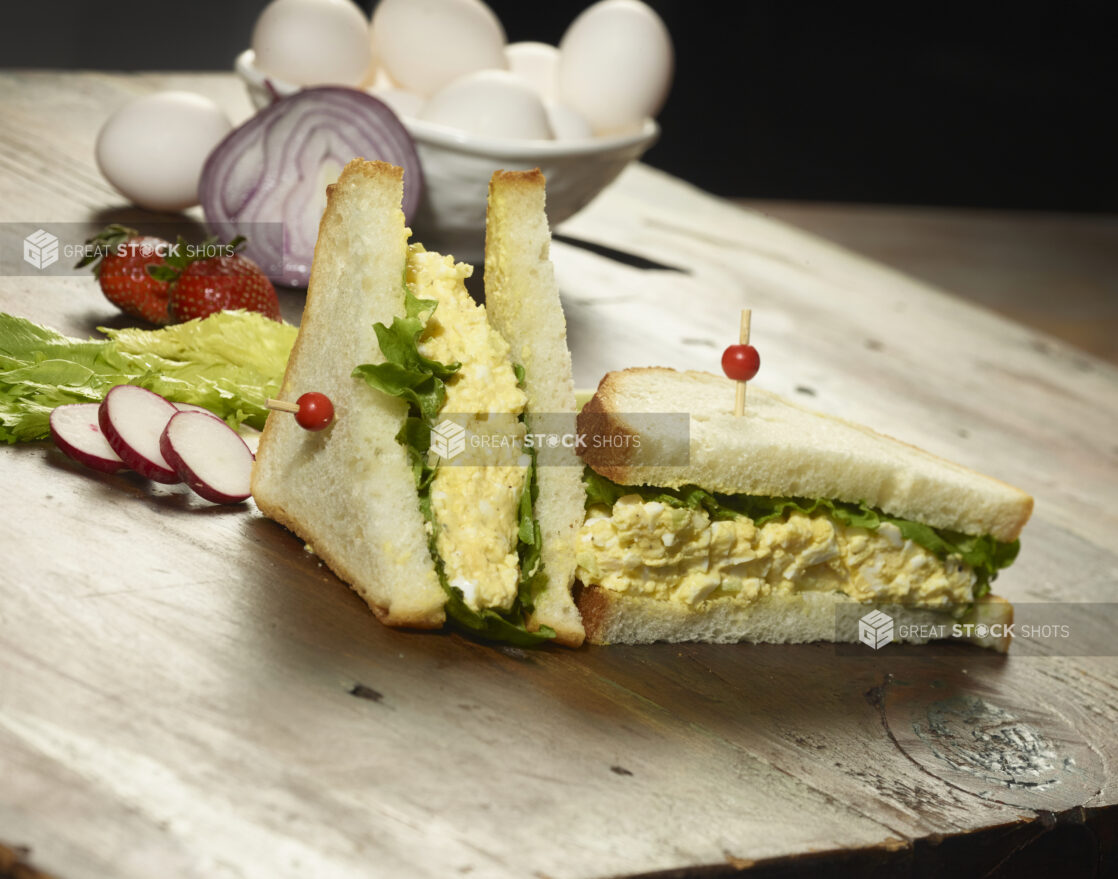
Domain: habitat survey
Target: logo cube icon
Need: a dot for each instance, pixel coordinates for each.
(448, 440)
(875, 629)
(40, 249)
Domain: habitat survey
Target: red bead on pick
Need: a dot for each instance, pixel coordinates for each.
(312, 411)
(741, 362)
(315, 411)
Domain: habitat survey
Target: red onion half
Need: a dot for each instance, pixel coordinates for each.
(267, 179)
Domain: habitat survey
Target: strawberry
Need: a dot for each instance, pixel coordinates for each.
(201, 286)
(222, 283)
(122, 260)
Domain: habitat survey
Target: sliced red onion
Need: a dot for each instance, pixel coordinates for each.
(267, 179)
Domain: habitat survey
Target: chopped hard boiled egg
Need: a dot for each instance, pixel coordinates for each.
(475, 504)
(676, 554)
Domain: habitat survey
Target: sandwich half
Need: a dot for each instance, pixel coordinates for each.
(781, 525)
(522, 297)
(348, 491)
(423, 523)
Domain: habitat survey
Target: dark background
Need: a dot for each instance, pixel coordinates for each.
(991, 105)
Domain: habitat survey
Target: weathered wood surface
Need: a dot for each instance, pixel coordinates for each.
(1056, 272)
(184, 691)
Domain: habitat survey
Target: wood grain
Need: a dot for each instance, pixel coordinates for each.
(185, 690)
(1055, 272)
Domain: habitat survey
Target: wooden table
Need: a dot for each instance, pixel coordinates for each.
(185, 692)
(1055, 272)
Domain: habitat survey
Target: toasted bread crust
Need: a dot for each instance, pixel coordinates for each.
(612, 458)
(530, 183)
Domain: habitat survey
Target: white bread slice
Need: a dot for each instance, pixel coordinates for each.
(522, 300)
(802, 617)
(780, 449)
(348, 490)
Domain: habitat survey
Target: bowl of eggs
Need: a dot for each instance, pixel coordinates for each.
(474, 103)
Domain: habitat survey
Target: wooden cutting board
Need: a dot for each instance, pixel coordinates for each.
(185, 691)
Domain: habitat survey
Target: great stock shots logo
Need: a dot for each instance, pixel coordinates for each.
(448, 439)
(40, 249)
(554, 439)
(45, 248)
(875, 629)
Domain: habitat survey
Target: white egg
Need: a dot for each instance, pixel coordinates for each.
(426, 44)
(490, 103)
(402, 103)
(538, 63)
(313, 42)
(566, 124)
(615, 65)
(152, 149)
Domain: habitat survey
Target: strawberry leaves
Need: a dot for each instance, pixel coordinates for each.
(105, 242)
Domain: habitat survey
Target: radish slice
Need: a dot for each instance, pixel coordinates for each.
(191, 407)
(132, 420)
(75, 430)
(209, 456)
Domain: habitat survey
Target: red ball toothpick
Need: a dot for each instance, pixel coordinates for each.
(740, 362)
(312, 411)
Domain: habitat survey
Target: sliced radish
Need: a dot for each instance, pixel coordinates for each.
(209, 456)
(192, 407)
(132, 419)
(75, 430)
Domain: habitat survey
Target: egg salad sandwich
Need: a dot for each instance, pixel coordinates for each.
(522, 297)
(780, 525)
(423, 529)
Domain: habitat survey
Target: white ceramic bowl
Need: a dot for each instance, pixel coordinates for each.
(457, 167)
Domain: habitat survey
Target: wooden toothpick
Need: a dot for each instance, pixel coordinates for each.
(281, 405)
(743, 339)
(740, 362)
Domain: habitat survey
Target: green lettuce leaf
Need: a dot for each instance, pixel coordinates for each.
(529, 546)
(408, 375)
(230, 362)
(984, 554)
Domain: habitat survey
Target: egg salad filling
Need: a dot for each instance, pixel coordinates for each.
(676, 554)
(475, 506)
(690, 546)
(442, 358)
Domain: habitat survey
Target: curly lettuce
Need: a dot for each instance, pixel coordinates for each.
(229, 362)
